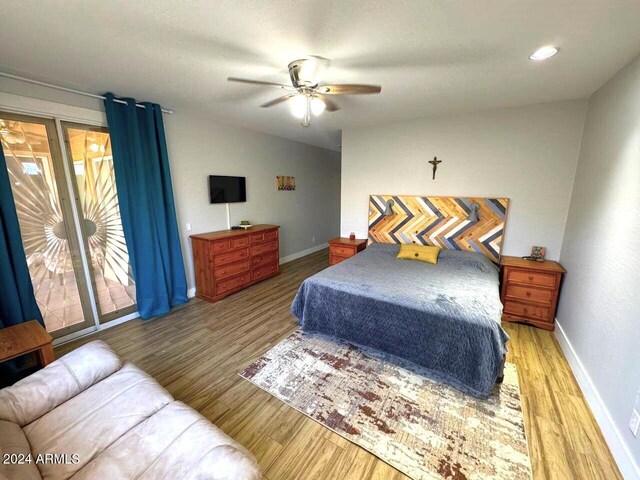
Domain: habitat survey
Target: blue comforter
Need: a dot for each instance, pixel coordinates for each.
(445, 317)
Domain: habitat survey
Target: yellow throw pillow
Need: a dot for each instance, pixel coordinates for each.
(422, 253)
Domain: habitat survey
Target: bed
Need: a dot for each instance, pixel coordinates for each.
(444, 317)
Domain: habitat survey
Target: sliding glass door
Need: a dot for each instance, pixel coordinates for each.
(49, 238)
(69, 221)
(89, 152)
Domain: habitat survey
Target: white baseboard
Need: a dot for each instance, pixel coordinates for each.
(619, 448)
(303, 253)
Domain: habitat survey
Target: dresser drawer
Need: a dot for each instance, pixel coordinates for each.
(232, 283)
(240, 242)
(526, 311)
(529, 293)
(263, 271)
(257, 237)
(220, 246)
(264, 259)
(231, 269)
(230, 257)
(264, 247)
(532, 278)
(264, 236)
(342, 251)
(333, 259)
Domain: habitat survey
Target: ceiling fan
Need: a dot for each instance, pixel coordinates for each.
(306, 95)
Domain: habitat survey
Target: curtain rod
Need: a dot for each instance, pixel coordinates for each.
(71, 90)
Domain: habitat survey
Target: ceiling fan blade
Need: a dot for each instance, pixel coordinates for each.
(278, 100)
(258, 82)
(349, 89)
(330, 105)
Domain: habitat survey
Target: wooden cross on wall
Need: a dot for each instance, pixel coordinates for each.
(435, 163)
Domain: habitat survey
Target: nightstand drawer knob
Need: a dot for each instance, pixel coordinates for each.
(530, 278)
(528, 294)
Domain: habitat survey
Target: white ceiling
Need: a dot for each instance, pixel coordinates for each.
(430, 56)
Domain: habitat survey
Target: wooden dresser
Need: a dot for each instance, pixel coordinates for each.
(342, 248)
(230, 260)
(530, 291)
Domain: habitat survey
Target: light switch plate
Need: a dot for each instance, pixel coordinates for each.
(634, 423)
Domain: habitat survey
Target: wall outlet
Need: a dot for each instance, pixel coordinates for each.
(634, 423)
(188, 226)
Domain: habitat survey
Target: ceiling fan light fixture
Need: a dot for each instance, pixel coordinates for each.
(299, 106)
(305, 95)
(317, 106)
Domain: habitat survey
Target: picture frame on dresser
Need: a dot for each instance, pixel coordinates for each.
(530, 291)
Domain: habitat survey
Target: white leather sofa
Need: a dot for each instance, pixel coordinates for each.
(88, 415)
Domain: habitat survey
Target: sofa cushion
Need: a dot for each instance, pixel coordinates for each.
(14, 442)
(37, 394)
(176, 442)
(88, 423)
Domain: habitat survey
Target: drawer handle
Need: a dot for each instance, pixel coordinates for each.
(530, 277)
(528, 294)
(526, 310)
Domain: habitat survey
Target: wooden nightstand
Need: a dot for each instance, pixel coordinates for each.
(25, 338)
(342, 248)
(530, 291)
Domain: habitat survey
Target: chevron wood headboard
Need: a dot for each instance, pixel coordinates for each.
(440, 221)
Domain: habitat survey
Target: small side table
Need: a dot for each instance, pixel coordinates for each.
(25, 338)
(530, 291)
(342, 248)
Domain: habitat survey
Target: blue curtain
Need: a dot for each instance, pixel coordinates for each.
(17, 302)
(145, 195)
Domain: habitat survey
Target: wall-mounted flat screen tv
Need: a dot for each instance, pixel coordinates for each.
(227, 189)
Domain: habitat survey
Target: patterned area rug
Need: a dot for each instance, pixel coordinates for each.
(389, 407)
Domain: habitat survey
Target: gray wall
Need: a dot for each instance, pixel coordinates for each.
(199, 147)
(528, 154)
(599, 308)
(309, 216)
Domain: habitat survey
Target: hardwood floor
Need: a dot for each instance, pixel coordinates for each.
(196, 352)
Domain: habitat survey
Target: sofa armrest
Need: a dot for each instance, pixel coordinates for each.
(41, 392)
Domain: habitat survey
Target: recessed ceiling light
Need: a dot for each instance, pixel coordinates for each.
(543, 53)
